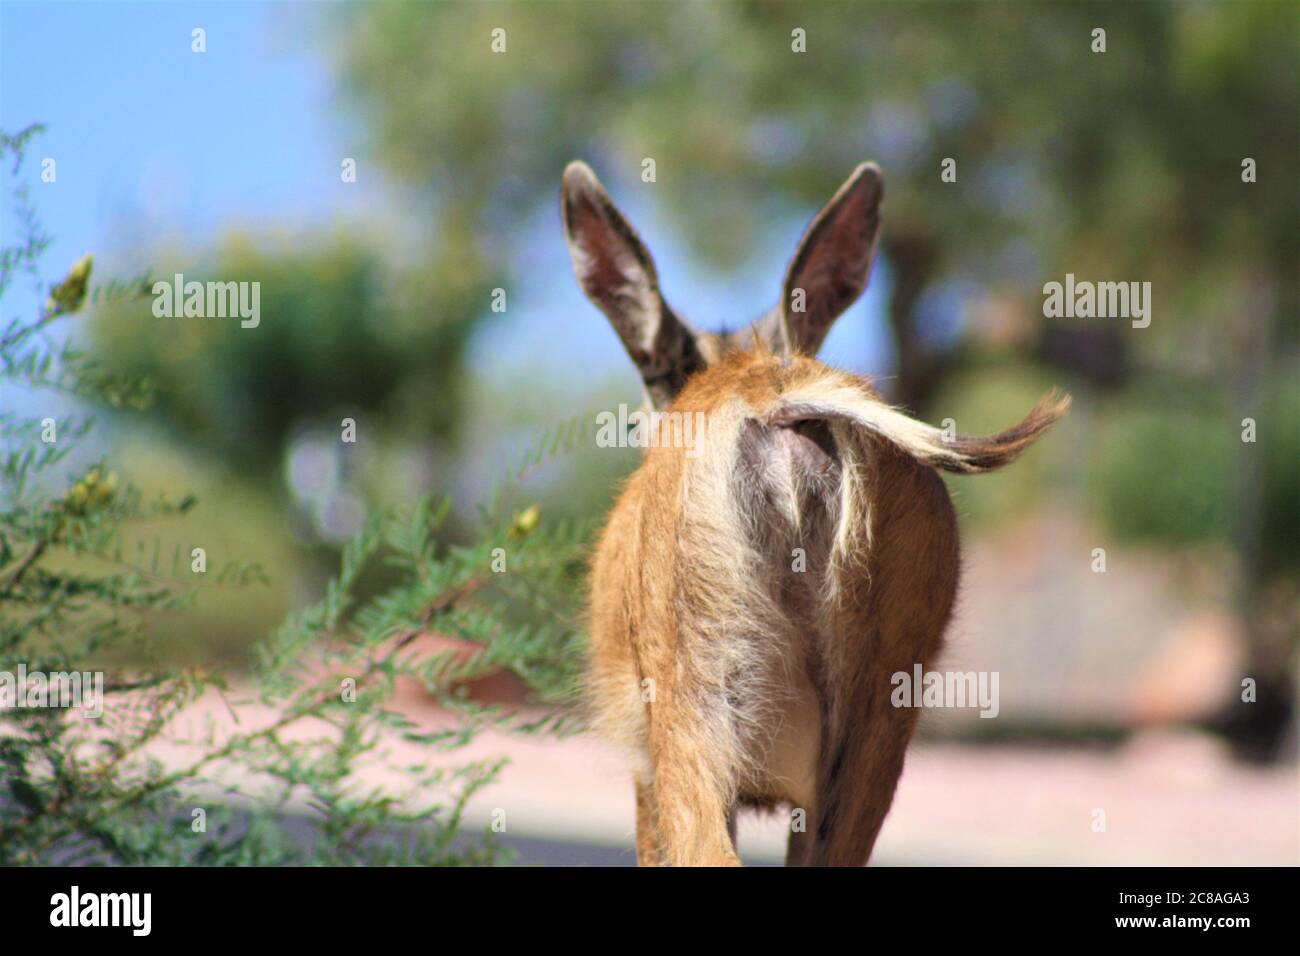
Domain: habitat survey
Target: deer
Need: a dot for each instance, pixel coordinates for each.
(751, 598)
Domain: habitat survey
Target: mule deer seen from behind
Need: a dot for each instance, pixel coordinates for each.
(752, 597)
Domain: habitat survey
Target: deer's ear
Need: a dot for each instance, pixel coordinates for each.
(618, 275)
(833, 261)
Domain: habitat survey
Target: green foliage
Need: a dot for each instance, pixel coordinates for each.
(1175, 473)
(312, 728)
(1162, 475)
(342, 334)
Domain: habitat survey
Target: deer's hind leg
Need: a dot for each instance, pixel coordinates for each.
(693, 789)
(865, 738)
(861, 761)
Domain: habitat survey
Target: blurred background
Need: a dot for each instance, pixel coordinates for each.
(1121, 689)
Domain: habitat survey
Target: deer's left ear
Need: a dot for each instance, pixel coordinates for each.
(833, 261)
(618, 275)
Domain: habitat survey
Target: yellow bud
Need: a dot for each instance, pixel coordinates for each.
(69, 294)
(80, 270)
(526, 521)
(94, 489)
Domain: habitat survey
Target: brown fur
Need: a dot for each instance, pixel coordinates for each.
(732, 675)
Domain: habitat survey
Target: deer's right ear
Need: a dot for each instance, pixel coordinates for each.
(833, 261)
(618, 275)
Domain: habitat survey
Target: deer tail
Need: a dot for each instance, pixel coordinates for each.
(961, 454)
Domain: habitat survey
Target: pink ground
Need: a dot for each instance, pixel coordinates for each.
(1167, 798)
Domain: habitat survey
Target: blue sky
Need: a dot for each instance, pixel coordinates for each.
(162, 149)
(156, 144)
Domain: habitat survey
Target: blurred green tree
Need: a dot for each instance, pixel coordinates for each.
(345, 335)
